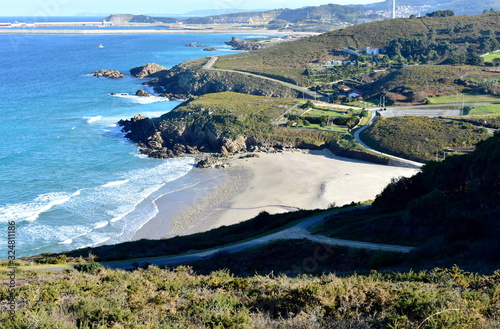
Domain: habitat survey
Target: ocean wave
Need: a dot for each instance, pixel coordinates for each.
(69, 241)
(116, 183)
(93, 119)
(141, 99)
(108, 213)
(100, 225)
(31, 211)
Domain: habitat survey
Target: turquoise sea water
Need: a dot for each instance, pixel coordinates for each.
(67, 176)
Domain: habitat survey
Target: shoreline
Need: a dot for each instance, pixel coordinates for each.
(276, 183)
(144, 31)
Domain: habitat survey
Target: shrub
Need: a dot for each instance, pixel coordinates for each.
(91, 268)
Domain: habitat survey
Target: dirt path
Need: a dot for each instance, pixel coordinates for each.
(299, 231)
(313, 94)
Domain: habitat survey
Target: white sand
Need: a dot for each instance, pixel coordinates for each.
(274, 183)
(290, 180)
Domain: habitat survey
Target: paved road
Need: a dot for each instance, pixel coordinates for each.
(299, 231)
(360, 142)
(312, 94)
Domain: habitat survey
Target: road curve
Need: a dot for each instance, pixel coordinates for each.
(360, 142)
(299, 231)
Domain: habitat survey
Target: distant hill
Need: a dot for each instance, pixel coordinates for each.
(325, 17)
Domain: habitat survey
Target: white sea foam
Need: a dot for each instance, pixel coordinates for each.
(101, 225)
(93, 119)
(116, 183)
(141, 99)
(121, 206)
(31, 211)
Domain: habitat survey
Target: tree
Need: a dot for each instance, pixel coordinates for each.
(441, 13)
(474, 59)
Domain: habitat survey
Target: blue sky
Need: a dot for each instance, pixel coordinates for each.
(35, 8)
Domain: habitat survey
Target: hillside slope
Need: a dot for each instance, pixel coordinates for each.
(289, 61)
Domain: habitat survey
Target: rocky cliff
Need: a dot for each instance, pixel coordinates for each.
(222, 123)
(173, 136)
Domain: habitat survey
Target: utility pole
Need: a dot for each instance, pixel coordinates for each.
(393, 9)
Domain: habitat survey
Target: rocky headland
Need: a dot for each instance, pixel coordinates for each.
(202, 126)
(187, 81)
(241, 44)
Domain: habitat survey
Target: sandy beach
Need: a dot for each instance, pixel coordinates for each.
(274, 183)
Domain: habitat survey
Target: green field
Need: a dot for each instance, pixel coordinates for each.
(491, 56)
(459, 98)
(333, 128)
(329, 112)
(490, 109)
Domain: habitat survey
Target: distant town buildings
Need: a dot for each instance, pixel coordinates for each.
(401, 11)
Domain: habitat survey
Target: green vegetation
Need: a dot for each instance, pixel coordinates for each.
(459, 98)
(491, 56)
(178, 298)
(490, 109)
(326, 118)
(241, 105)
(420, 138)
(449, 210)
(418, 83)
(255, 117)
(264, 223)
(290, 61)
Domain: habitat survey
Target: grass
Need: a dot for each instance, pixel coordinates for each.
(490, 109)
(491, 56)
(240, 104)
(463, 97)
(350, 226)
(332, 128)
(419, 138)
(329, 112)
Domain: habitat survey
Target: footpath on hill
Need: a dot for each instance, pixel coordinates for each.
(313, 94)
(299, 231)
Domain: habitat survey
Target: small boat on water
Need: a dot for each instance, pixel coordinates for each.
(101, 46)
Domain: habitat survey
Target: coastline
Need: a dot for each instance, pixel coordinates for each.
(152, 31)
(275, 183)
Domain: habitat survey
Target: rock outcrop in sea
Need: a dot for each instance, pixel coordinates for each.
(150, 70)
(142, 93)
(111, 74)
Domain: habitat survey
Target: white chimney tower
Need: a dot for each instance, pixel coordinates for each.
(393, 9)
